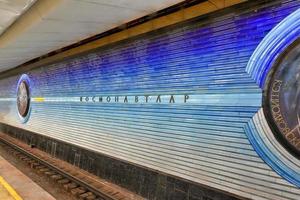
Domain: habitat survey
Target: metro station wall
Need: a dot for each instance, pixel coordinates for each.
(195, 130)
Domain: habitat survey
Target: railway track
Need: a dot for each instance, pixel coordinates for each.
(78, 182)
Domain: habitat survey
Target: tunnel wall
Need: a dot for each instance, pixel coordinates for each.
(175, 101)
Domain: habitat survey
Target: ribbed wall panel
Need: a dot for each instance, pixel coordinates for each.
(203, 140)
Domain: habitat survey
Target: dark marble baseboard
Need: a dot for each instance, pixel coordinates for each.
(148, 183)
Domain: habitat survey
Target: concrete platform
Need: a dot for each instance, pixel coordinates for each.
(5, 195)
(14, 185)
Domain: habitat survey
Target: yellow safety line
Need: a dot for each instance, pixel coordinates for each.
(39, 99)
(11, 191)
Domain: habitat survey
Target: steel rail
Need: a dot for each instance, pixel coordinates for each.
(57, 170)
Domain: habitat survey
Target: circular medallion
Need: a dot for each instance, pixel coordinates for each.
(283, 98)
(23, 98)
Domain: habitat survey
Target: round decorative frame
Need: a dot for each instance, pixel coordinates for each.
(268, 94)
(258, 130)
(24, 79)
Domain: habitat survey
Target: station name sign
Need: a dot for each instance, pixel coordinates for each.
(141, 99)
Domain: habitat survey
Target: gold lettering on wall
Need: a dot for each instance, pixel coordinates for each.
(290, 135)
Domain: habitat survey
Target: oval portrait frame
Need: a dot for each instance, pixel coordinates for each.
(24, 78)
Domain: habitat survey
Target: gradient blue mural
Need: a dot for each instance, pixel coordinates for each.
(182, 100)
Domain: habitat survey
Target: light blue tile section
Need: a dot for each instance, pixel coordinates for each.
(202, 140)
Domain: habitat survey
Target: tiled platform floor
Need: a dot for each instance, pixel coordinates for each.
(24, 187)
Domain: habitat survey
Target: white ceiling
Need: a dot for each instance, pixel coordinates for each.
(69, 22)
(10, 10)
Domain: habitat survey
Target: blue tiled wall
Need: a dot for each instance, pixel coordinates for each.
(202, 140)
